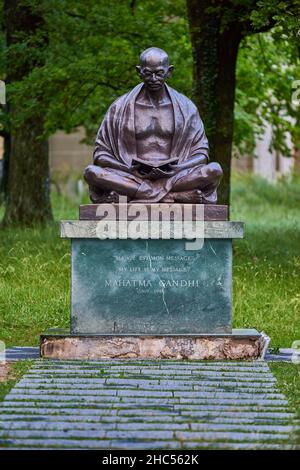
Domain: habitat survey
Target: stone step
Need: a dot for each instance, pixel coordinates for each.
(51, 444)
(145, 387)
(191, 367)
(142, 368)
(147, 393)
(152, 362)
(141, 383)
(94, 399)
(157, 375)
(62, 426)
(87, 444)
(152, 419)
(102, 409)
(178, 378)
(146, 435)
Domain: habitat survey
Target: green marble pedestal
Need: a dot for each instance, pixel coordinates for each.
(150, 287)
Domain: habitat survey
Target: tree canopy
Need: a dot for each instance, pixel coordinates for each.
(93, 46)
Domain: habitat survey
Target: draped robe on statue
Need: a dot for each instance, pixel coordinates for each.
(116, 139)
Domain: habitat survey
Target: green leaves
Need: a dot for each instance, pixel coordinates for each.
(267, 67)
(90, 58)
(84, 57)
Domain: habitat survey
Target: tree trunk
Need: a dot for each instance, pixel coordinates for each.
(28, 195)
(215, 49)
(4, 180)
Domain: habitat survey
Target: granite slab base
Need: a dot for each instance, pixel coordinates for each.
(246, 344)
(153, 287)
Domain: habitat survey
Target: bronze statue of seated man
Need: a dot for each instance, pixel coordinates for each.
(151, 145)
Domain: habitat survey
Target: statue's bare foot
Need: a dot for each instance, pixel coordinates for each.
(110, 197)
(194, 196)
(168, 198)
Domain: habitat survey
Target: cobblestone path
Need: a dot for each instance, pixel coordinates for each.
(128, 404)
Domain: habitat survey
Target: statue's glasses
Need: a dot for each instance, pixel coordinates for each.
(148, 75)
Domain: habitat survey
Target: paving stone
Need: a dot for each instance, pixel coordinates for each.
(109, 411)
(45, 433)
(152, 362)
(144, 393)
(205, 427)
(92, 444)
(236, 446)
(53, 391)
(225, 394)
(50, 443)
(21, 353)
(254, 401)
(26, 387)
(233, 436)
(144, 445)
(183, 378)
(215, 381)
(147, 388)
(240, 427)
(239, 414)
(85, 406)
(143, 370)
(91, 399)
(142, 435)
(151, 420)
(60, 382)
(56, 426)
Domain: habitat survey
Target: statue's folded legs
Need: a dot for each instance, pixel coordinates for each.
(202, 181)
(197, 184)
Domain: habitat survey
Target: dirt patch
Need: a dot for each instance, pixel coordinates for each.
(5, 371)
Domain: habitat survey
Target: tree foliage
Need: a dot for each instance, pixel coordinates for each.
(91, 56)
(267, 69)
(93, 46)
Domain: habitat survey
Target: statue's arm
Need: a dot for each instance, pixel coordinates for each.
(108, 162)
(192, 162)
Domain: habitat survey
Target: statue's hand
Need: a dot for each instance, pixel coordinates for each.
(157, 173)
(134, 170)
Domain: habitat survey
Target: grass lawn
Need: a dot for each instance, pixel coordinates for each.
(266, 274)
(35, 278)
(15, 372)
(288, 378)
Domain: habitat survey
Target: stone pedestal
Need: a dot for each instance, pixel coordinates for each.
(150, 287)
(239, 344)
(151, 297)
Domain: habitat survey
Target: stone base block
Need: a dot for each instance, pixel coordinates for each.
(150, 287)
(240, 344)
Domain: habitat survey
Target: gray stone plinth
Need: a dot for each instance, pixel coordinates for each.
(150, 287)
(189, 229)
(241, 344)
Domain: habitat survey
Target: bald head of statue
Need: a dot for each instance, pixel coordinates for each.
(154, 68)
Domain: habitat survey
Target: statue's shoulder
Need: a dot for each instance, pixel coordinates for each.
(118, 101)
(184, 101)
(121, 100)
